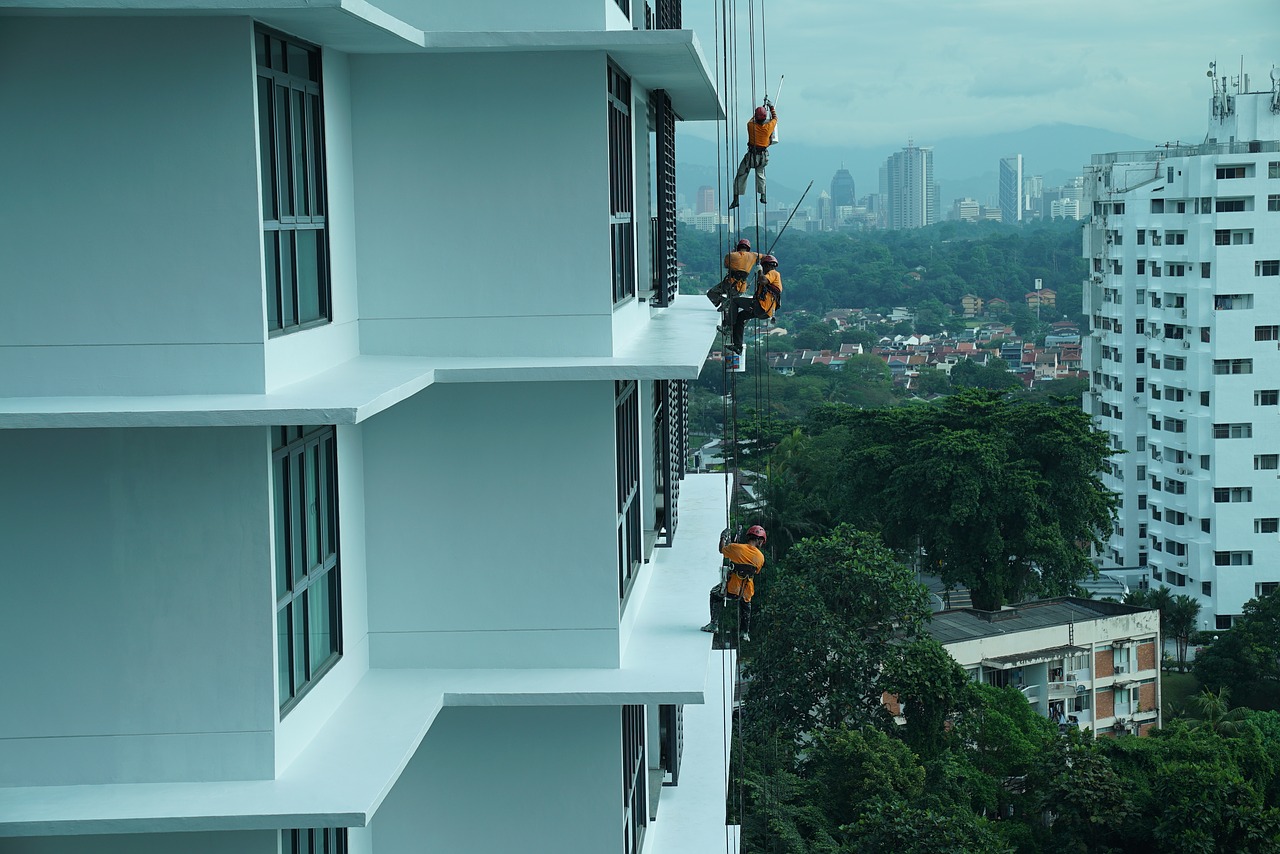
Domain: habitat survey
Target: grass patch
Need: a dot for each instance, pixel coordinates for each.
(1176, 690)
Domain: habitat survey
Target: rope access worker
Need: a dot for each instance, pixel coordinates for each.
(767, 299)
(759, 136)
(746, 561)
(737, 265)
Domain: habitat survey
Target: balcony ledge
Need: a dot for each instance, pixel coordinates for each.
(672, 345)
(341, 778)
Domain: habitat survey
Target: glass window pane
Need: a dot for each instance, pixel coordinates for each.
(280, 477)
(313, 506)
(319, 622)
(310, 280)
(282, 655)
(329, 494)
(299, 615)
(288, 307)
(315, 121)
(277, 54)
(284, 157)
(299, 62)
(298, 143)
(266, 156)
(297, 522)
(271, 268)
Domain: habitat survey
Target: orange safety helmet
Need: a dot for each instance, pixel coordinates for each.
(744, 244)
(761, 114)
(769, 261)
(757, 531)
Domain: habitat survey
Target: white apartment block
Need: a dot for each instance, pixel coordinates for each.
(1079, 662)
(1184, 302)
(332, 520)
(906, 181)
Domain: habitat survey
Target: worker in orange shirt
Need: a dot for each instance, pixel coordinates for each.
(767, 299)
(745, 563)
(737, 265)
(759, 135)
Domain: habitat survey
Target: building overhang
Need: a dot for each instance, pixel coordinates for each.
(1036, 656)
(341, 778)
(673, 345)
(671, 60)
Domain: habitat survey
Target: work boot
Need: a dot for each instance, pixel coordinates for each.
(733, 204)
(709, 627)
(746, 637)
(733, 348)
(763, 200)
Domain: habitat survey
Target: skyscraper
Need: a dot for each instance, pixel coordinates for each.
(1011, 188)
(1183, 245)
(842, 189)
(706, 199)
(912, 198)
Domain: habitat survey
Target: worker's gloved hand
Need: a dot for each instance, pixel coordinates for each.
(724, 538)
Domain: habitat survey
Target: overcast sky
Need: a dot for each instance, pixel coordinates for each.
(860, 73)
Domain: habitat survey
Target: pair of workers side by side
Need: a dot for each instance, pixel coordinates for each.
(745, 563)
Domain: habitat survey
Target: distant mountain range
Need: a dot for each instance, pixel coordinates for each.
(963, 166)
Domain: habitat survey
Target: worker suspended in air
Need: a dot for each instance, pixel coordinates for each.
(759, 135)
(745, 563)
(762, 305)
(737, 265)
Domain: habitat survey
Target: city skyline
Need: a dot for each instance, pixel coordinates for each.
(993, 66)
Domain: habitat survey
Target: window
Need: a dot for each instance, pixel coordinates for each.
(1268, 525)
(1265, 588)
(1205, 270)
(665, 270)
(1206, 588)
(320, 840)
(1229, 205)
(1142, 238)
(670, 449)
(627, 455)
(1142, 502)
(1222, 622)
(1273, 202)
(621, 224)
(1266, 397)
(308, 610)
(1175, 269)
(1233, 431)
(1175, 425)
(1266, 268)
(1273, 169)
(1233, 558)
(1175, 363)
(1232, 494)
(1266, 462)
(1204, 461)
(1177, 487)
(1233, 171)
(1142, 266)
(1206, 526)
(635, 774)
(1204, 398)
(1233, 366)
(1157, 206)
(291, 158)
(1175, 548)
(1267, 333)
(1175, 238)
(1232, 302)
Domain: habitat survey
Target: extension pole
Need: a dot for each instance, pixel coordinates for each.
(788, 222)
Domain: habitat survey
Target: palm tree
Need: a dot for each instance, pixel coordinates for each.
(1181, 624)
(1160, 598)
(1216, 714)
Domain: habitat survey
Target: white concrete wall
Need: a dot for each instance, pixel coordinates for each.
(482, 231)
(238, 842)
(129, 219)
(485, 15)
(509, 779)
(491, 534)
(137, 620)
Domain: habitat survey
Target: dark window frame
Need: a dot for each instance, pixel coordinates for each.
(635, 779)
(627, 456)
(304, 474)
(291, 140)
(622, 238)
(314, 840)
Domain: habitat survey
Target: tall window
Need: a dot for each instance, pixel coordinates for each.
(627, 449)
(670, 448)
(291, 152)
(665, 274)
(308, 609)
(320, 840)
(635, 800)
(621, 195)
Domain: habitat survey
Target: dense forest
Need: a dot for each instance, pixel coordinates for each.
(881, 269)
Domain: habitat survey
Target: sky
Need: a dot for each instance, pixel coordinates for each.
(861, 73)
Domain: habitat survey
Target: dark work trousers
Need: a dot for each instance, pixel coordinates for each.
(757, 159)
(727, 288)
(747, 308)
(718, 600)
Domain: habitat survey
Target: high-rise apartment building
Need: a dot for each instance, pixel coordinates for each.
(706, 199)
(911, 197)
(1011, 188)
(1183, 245)
(323, 528)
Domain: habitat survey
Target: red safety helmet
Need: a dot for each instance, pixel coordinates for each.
(757, 531)
(761, 114)
(769, 261)
(744, 244)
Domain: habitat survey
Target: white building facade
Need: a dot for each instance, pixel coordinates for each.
(1184, 300)
(911, 197)
(332, 520)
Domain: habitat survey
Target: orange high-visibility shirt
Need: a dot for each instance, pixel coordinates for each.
(760, 135)
(742, 554)
(769, 291)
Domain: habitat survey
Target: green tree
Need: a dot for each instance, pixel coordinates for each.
(1247, 657)
(931, 687)
(1180, 622)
